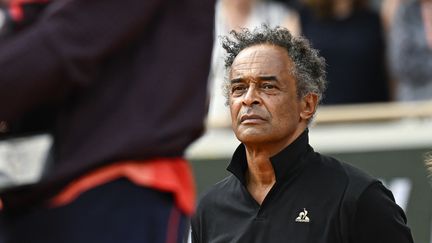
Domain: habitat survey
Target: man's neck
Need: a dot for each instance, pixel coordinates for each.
(260, 176)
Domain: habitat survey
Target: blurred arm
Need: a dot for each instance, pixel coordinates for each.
(64, 48)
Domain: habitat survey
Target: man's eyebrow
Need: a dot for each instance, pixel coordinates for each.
(261, 78)
(236, 80)
(268, 78)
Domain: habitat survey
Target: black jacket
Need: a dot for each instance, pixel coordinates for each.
(315, 199)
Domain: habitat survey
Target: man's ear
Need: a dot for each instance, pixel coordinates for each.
(308, 106)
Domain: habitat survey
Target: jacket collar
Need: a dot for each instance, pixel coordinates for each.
(285, 163)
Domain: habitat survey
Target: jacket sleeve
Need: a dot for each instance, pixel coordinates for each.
(64, 48)
(378, 219)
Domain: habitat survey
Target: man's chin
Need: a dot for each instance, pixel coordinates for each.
(251, 136)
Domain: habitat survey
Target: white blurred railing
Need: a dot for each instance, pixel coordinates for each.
(374, 112)
(343, 128)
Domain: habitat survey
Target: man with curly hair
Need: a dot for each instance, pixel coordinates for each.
(281, 190)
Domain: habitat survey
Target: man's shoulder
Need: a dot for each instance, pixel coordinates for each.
(357, 180)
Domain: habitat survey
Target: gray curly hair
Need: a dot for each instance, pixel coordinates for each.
(309, 67)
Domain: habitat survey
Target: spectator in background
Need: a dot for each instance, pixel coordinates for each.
(410, 47)
(129, 80)
(294, 4)
(350, 37)
(234, 15)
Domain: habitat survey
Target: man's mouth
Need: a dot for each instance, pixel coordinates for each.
(251, 118)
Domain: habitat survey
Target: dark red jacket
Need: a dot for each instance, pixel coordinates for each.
(129, 78)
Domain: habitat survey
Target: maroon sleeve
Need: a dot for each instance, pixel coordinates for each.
(64, 49)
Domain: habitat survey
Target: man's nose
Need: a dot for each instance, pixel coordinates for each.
(251, 97)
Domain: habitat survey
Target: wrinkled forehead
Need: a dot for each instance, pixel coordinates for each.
(261, 60)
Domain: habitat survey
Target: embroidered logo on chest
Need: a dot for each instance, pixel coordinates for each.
(303, 217)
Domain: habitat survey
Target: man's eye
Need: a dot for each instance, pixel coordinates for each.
(238, 89)
(268, 86)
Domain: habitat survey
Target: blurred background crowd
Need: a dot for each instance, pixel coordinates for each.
(376, 51)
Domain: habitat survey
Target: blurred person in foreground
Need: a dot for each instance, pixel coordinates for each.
(129, 81)
(281, 190)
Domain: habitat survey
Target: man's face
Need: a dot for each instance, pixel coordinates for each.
(265, 108)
